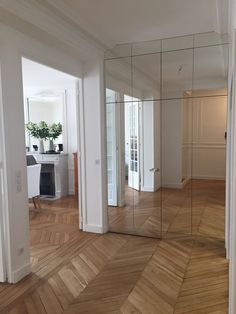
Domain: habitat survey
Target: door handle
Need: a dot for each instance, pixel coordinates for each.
(154, 169)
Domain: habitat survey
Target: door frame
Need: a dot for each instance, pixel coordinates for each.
(4, 214)
(82, 203)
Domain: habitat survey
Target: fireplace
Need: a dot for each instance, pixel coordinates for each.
(47, 180)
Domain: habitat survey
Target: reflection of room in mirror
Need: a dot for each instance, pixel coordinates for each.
(48, 108)
(167, 139)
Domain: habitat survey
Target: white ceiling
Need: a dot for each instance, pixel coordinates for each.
(38, 75)
(118, 21)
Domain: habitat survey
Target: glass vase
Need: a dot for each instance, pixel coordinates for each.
(41, 147)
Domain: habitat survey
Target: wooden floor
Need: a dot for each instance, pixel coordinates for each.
(77, 272)
(196, 209)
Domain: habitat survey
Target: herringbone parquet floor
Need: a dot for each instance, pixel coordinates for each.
(76, 272)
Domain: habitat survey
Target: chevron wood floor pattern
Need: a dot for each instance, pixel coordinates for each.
(52, 226)
(78, 272)
(197, 209)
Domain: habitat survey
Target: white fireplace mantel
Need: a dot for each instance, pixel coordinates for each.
(60, 162)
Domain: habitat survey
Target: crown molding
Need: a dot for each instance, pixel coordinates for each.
(222, 13)
(65, 11)
(34, 13)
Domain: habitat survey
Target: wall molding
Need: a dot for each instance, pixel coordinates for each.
(208, 177)
(121, 203)
(205, 145)
(20, 273)
(148, 189)
(173, 185)
(93, 228)
(56, 25)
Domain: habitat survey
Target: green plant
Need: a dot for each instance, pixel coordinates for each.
(40, 131)
(55, 130)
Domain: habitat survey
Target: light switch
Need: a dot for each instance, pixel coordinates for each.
(18, 181)
(97, 161)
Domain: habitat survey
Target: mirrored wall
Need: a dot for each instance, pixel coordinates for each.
(166, 104)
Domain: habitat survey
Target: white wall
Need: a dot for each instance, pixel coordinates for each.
(14, 45)
(150, 180)
(147, 144)
(17, 218)
(72, 130)
(187, 129)
(193, 143)
(157, 143)
(171, 143)
(95, 159)
(209, 145)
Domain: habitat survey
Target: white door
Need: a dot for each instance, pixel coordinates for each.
(134, 144)
(111, 148)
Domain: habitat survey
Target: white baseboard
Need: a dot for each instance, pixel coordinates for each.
(205, 177)
(147, 189)
(185, 181)
(121, 203)
(93, 228)
(20, 273)
(150, 188)
(172, 185)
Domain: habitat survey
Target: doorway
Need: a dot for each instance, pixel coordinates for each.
(52, 144)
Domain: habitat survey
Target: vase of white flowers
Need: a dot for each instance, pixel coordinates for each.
(39, 131)
(55, 131)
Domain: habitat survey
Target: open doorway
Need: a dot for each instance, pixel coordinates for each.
(51, 136)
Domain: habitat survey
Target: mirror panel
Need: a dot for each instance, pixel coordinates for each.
(48, 108)
(210, 39)
(147, 47)
(146, 76)
(208, 165)
(177, 43)
(210, 70)
(166, 122)
(119, 76)
(177, 73)
(147, 200)
(176, 150)
(118, 51)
